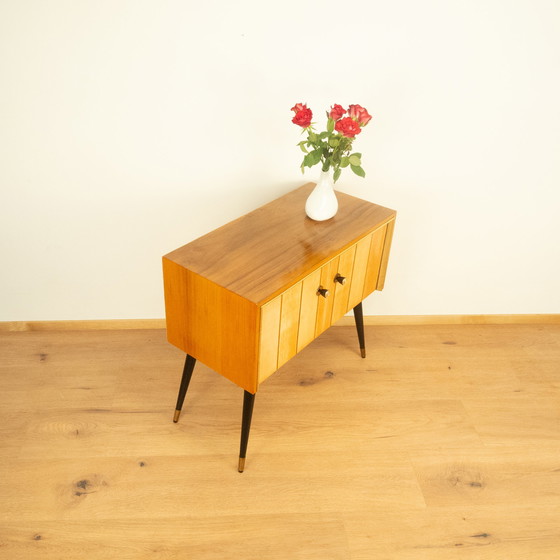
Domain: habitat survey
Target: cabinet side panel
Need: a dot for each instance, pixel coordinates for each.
(268, 339)
(385, 257)
(175, 293)
(215, 326)
(359, 272)
(374, 260)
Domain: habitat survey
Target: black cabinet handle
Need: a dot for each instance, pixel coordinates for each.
(340, 279)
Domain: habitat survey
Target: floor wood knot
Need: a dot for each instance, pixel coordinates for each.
(466, 479)
(481, 536)
(306, 382)
(86, 486)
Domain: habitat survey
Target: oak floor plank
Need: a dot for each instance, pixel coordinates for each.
(490, 476)
(315, 536)
(519, 532)
(149, 486)
(509, 421)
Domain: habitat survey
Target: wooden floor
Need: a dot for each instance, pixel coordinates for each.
(444, 443)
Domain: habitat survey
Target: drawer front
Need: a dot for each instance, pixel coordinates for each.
(296, 317)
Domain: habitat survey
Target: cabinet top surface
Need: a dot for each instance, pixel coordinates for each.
(262, 253)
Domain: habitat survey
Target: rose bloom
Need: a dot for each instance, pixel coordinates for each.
(347, 127)
(299, 107)
(336, 112)
(359, 114)
(303, 118)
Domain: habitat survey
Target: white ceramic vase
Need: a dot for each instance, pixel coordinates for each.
(322, 203)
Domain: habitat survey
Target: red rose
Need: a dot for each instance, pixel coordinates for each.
(298, 107)
(336, 112)
(303, 117)
(347, 127)
(359, 114)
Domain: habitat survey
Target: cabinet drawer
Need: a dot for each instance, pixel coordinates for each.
(292, 320)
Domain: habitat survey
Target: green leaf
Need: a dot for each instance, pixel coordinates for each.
(336, 174)
(355, 160)
(344, 161)
(317, 155)
(312, 158)
(302, 146)
(323, 135)
(312, 137)
(333, 142)
(330, 125)
(358, 170)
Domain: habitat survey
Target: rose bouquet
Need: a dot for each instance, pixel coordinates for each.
(332, 148)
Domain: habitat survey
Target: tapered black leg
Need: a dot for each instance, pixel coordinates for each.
(359, 318)
(248, 402)
(185, 380)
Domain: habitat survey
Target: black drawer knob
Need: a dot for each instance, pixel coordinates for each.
(340, 279)
(323, 292)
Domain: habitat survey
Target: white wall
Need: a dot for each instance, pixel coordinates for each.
(128, 128)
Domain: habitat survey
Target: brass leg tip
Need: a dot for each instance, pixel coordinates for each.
(363, 351)
(176, 416)
(241, 465)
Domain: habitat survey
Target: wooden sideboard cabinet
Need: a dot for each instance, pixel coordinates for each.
(248, 296)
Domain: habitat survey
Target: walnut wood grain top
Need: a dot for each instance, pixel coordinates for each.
(264, 252)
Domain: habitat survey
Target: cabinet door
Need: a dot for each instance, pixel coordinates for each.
(342, 283)
(359, 272)
(279, 328)
(269, 338)
(308, 312)
(292, 320)
(367, 266)
(289, 323)
(326, 301)
(374, 260)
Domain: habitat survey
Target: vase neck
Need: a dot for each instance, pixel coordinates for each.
(326, 179)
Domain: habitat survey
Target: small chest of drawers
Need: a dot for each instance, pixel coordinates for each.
(249, 296)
